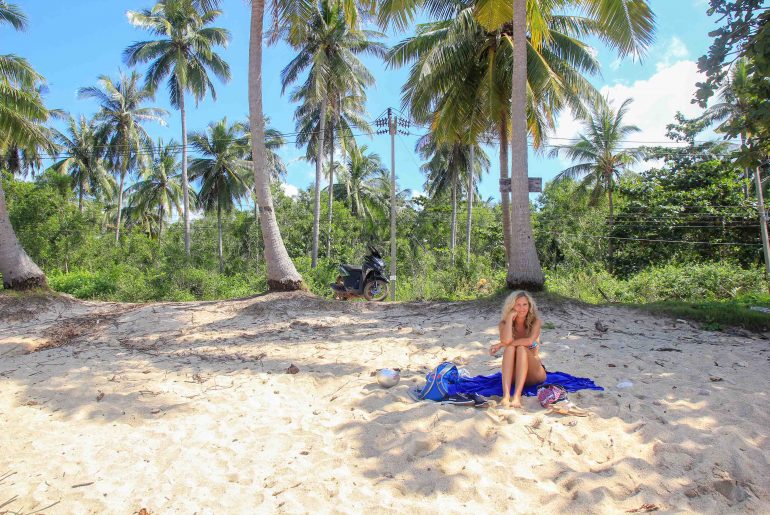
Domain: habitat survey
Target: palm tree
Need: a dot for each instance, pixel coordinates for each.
(460, 82)
(222, 171)
(146, 220)
(601, 158)
(22, 114)
(732, 108)
(120, 116)
(83, 150)
(446, 167)
(542, 86)
(158, 188)
(281, 273)
(273, 141)
(346, 114)
(329, 50)
(627, 26)
(185, 54)
(365, 183)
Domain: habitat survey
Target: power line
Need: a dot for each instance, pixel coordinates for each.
(651, 240)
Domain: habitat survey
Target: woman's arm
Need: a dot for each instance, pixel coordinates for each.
(528, 340)
(505, 327)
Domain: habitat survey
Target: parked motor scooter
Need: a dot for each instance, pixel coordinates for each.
(366, 281)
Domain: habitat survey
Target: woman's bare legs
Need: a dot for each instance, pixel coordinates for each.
(509, 356)
(520, 367)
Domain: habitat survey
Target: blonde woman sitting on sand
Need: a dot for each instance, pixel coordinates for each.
(519, 336)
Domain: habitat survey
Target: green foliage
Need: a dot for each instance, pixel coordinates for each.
(705, 202)
(717, 315)
(84, 284)
(691, 282)
(743, 34)
(81, 258)
(569, 232)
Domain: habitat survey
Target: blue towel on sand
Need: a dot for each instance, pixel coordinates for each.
(489, 386)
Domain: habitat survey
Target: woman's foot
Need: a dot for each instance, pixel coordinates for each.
(506, 402)
(516, 402)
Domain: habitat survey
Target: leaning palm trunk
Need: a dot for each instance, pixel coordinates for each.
(523, 264)
(17, 268)
(281, 273)
(185, 185)
(470, 206)
(318, 171)
(505, 199)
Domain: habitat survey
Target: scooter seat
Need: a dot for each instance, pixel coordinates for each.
(351, 268)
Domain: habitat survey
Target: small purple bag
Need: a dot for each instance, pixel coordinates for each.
(549, 394)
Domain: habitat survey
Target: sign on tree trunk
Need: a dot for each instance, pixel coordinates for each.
(535, 185)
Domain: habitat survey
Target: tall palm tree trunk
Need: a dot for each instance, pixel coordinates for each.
(610, 247)
(256, 223)
(160, 223)
(453, 223)
(331, 192)
(523, 264)
(281, 273)
(318, 171)
(80, 197)
(470, 205)
(746, 173)
(505, 199)
(123, 167)
(185, 185)
(219, 231)
(17, 268)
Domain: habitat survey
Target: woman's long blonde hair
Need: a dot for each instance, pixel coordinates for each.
(532, 314)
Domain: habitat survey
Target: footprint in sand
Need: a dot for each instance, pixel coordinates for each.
(731, 490)
(418, 446)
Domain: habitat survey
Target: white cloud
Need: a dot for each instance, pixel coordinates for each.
(674, 51)
(655, 102)
(290, 190)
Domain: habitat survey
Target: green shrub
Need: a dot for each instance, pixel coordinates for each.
(682, 282)
(85, 285)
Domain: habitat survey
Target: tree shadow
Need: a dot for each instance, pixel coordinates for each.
(675, 440)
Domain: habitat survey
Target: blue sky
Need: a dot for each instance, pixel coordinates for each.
(72, 43)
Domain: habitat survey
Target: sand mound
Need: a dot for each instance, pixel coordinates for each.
(188, 407)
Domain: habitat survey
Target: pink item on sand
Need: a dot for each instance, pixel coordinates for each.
(549, 394)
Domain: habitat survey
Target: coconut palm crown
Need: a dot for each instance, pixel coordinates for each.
(185, 54)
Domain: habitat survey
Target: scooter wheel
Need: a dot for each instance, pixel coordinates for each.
(376, 290)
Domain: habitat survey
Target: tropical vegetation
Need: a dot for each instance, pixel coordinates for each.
(108, 211)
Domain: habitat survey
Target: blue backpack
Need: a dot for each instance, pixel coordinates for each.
(438, 381)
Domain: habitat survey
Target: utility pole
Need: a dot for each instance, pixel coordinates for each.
(394, 125)
(762, 221)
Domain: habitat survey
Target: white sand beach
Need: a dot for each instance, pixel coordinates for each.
(188, 408)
